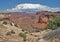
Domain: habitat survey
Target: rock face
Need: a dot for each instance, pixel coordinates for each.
(30, 20)
(42, 18)
(22, 19)
(51, 36)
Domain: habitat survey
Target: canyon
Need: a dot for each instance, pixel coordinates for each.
(24, 20)
(19, 26)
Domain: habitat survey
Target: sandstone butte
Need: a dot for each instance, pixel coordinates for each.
(30, 20)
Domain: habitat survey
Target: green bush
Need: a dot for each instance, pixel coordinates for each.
(11, 24)
(5, 23)
(58, 21)
(23, 30)
(23, 35)
(10, 32)
(15, 25)
(37, 30)
(54, 24)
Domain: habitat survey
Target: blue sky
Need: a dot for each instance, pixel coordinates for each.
(8, 4)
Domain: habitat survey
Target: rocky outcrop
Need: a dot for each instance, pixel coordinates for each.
(42, 18)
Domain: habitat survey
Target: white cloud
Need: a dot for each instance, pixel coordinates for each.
(32, 7)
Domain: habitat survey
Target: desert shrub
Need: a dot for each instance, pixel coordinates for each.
(15, 25)
(0, 19)
(35, 35)
(31, 34)
(5, 23)
(25, 31)
(54, 24)
(58, 21)
(11, 24)
(10, 32)
(36, 30)
(23, 35)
